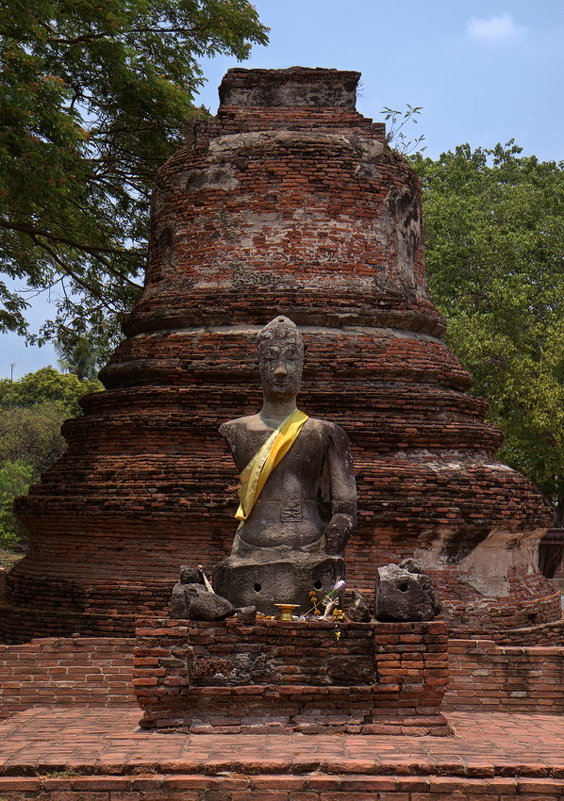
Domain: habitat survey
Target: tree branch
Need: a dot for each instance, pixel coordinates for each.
(87, 37)
(95, 252)
(66, 269)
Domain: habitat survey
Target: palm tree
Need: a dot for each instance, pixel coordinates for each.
(78, 356)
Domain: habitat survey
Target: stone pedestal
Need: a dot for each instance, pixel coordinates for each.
(232, 678)
(252, 582)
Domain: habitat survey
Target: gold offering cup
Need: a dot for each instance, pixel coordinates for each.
(286, 611)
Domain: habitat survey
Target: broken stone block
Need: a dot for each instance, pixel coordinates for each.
(204, 605)
(404, 594)
(247, 614)
(358, 611)
(190, 575)
(411, 565)
(192, 601)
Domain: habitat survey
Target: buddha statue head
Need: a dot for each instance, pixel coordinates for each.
(281, 359)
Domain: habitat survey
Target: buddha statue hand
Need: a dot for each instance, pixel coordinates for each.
(337, 532)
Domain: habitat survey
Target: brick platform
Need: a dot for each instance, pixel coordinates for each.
(99, 755)
(228, 677)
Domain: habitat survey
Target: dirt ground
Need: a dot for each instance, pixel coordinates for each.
(8, 559)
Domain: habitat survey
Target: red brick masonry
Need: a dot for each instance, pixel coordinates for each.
(230, 677)
(75, 670)
(278, 208)
(485, 676)
(99, 672)
(546, 634)
(99, 755)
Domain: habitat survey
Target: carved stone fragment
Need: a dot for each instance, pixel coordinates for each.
(192, 601)
(404, 593)
(358, 611)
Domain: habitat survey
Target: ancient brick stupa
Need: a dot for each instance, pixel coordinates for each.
(287, 202)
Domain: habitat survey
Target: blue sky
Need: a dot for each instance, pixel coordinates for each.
(484, 72)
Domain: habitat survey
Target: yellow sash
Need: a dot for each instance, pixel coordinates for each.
(255, 475)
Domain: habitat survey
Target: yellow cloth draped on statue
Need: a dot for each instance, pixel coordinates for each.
(256, 473)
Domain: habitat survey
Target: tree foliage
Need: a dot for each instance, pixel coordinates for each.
(94, 97)
(494, 224)
(15, 478)
(79, 355)
(32, 436)
(32, 411)
(46, 386)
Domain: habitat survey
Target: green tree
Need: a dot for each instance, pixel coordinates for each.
(78, 355)
(494, 225)
(15, 478)
(93, 98)
(32, 411)
(32, 435)
(46, 386)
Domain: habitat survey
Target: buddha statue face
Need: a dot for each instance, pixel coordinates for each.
(281, 358)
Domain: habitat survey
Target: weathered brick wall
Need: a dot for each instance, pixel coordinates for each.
(87, 671)
(483, 674)
(228, 677)
(546, 634)
(485, 677)
(528, 601)
(70, 607)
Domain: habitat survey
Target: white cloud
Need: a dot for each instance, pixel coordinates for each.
(495, 30)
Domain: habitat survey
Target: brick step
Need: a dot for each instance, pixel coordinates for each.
(275, 787)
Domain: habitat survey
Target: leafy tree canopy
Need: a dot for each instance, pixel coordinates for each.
(94, 97)
(15, 478)
(494, 225)
(32, 411)
(80, 355)
(46, 386)
(32, 435)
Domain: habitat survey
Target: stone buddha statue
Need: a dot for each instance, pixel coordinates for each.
(298, 493)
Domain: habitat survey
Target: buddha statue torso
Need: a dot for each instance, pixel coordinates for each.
(297, 502)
